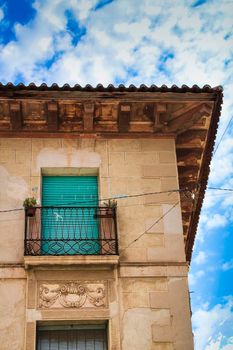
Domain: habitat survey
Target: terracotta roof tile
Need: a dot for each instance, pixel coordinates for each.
(112, 88)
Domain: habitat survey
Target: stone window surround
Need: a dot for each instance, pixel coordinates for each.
(75, 325)
(69, 171)
(31, 329)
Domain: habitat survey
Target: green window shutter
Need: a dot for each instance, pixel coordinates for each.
(70, 191)
(68, 223)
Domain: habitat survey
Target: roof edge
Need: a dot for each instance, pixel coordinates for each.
(204, 174)
(111, 88)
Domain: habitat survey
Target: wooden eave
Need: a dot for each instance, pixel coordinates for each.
(189, 114)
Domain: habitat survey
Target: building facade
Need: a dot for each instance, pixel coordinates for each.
(81, 272)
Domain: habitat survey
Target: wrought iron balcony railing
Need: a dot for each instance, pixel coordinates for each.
(71, 231)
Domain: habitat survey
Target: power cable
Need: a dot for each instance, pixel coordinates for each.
(105, 199)
(220, 189)
(216, 148)
(122, 197)
(10, 210)
(154, 223)
(125, 197)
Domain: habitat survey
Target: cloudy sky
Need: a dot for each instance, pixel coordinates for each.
(144, 41)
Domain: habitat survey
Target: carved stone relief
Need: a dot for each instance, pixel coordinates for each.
(72, 294)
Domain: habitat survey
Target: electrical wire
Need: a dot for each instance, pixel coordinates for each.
(10, 210)
(220, 189)
(216, 148)
(149, 228)
(121, 197)
(105, 199)
(125, 197)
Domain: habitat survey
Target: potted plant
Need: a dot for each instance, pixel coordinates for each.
(110, 205)
(107, 211)
(30, 206)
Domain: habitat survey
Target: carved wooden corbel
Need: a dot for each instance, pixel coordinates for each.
(124, 116)
(16, 117)
(52, 116)
(160, 116)
(149, 112)
(88, 116)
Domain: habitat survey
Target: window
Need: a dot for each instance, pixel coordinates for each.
(68, 215)
(72, 337)
(71, 221)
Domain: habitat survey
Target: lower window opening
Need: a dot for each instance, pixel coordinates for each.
(72, 337)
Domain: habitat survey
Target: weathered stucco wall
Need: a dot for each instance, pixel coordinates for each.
(125, 167)
(12, 308)
(151, 290)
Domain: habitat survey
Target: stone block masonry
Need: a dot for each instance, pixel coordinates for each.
(143, 298)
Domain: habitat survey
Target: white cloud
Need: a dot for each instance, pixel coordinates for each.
(208, 323)
(40, 40)
(222, 167)
(228, 347)
(193, 277)
(227, 265)
(217, 220)
(200, 258)
(210, 221)
(122, 38)
(216, 344)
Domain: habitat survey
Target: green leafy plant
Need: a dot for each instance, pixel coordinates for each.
(30, 202)
(110, 204)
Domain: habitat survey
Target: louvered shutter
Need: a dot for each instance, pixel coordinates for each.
(70, 191)
(68, 223)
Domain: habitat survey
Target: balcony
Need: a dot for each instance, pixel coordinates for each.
(69, 231)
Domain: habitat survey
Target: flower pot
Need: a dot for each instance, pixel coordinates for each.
(104, 213)
(30, 211)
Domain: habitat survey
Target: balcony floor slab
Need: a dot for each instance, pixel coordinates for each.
(82, 260)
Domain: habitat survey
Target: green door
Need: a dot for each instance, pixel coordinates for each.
(68, 223)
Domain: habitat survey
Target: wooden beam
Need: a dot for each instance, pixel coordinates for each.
(187, 161)
(185, 154)
(124, 116)
(188, 119)
(192, 135)
(149, 111)
(179, 112)
(16, 117)
(88, 116)
(52, 116)
(188, 174)
(160, 110)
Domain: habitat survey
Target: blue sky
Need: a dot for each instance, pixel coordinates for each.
(134, 41)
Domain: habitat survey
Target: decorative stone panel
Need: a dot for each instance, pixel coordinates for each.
(72, 294)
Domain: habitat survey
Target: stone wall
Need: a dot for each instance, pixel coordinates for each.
(12, 307)
(149, 291)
